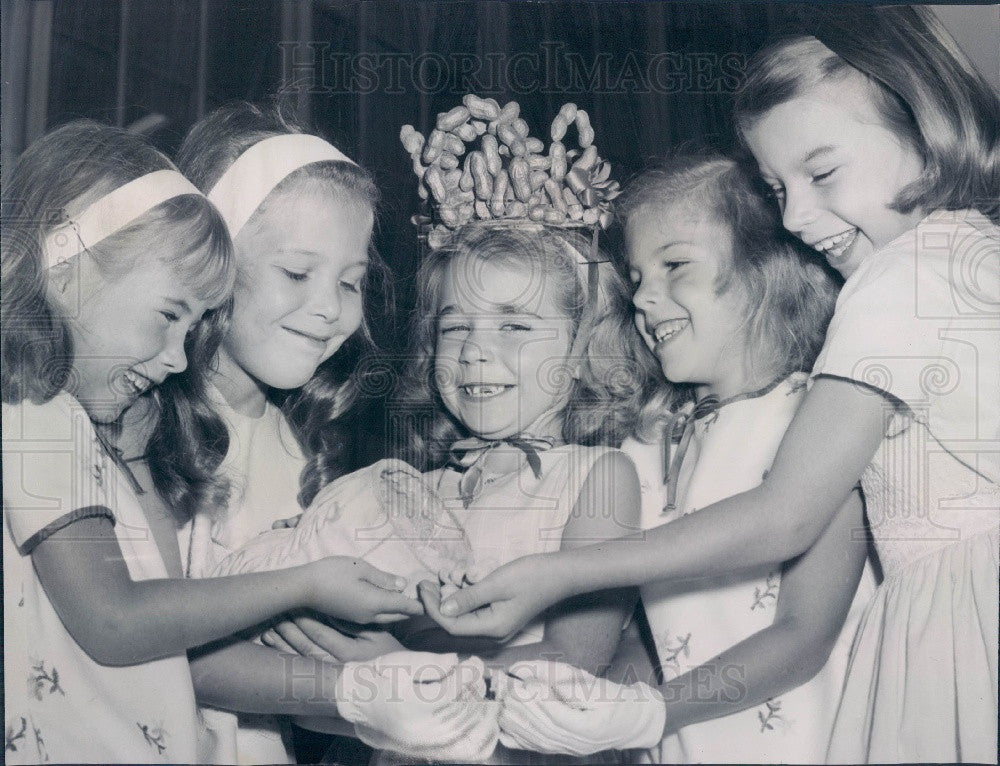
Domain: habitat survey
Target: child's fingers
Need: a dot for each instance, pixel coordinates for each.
(299, 641)
(468, 599)
(272, 639)
(390, 605)
(474, 574)
(379, 578)
(447, 577)
(332, 641)
(290, 523)
(430, 597)
(387, 618)
(466, 625)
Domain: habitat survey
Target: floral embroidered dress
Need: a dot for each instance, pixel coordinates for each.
(919, 322)
(730, 451)
(262, 465)
(61, 706)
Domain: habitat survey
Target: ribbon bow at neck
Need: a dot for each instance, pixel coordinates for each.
(679, 430)
(469, 455)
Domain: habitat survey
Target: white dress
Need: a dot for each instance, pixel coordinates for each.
(692, 622)
(517, 515)
(413, 525)
(919, 322)
(61, 706)
(262, 464)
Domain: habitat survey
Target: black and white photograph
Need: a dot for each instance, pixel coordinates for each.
(500, 381)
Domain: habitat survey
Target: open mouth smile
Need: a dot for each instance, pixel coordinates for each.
(834, 247)
(668, 329)
(138, 384)
(483, 390)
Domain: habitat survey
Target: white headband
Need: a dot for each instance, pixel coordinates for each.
(248, 181)
(113, 212)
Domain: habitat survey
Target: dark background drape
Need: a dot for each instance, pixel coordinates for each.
(652, 75)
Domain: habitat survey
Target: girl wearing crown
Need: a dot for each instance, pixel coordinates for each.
(517, 356)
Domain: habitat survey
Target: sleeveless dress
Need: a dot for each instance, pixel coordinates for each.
(514, 516)
(731, 451)
(918, 323)
(262, 465)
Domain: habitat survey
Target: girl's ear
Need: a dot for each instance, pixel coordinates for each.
(72, 280)
(62, 277)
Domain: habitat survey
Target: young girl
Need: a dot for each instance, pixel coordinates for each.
(110, 259)
(734, 309)
(300, 214)
(510, 410)
(883, 150)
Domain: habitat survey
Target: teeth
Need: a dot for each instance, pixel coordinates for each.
(137, 381)
(483, 391)
(836, 246)
(669, 328)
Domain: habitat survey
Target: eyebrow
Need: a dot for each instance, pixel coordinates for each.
(514, 309)
(674, 243)
(313, 254)
(817, 152)
(507, 309)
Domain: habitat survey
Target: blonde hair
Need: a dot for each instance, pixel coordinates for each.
(922, 85)
(312, 410)
(614, 374)
(84, 159)
(788, 294)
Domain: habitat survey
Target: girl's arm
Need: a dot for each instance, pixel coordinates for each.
(831, 439)
(248, 678)
(118, 621)
(816, 593)
(585, 631)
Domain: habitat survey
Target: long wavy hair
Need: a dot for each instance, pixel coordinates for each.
(84, 160)
(613, 375)
(922, 85)
(787, 293)
(313, 410)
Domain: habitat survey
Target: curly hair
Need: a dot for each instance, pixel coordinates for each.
(614, 374)
(922, 85)
(313, 410)
(788, 294)
(84, 160)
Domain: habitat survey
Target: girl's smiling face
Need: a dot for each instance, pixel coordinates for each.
(836, 169)
(301, 262)
(500, 356)
(675, 255)
(128, 331)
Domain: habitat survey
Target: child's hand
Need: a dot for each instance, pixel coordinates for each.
(498, 605)
(352, 589)
(550, 707)
(340, 643)
(422, 705)
(290, 523)
(453, 580)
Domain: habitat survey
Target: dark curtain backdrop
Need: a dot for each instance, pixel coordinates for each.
(652, 75)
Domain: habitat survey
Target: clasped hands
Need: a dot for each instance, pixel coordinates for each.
(437, 707)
